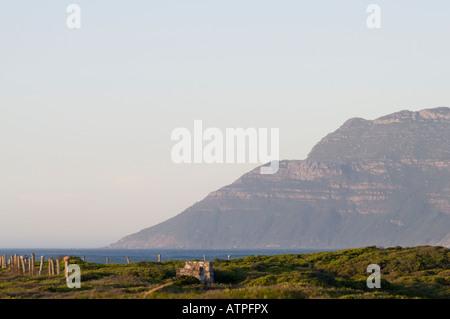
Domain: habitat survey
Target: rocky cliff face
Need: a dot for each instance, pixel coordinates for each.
(383, 182)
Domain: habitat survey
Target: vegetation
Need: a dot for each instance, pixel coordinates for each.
(418, 272)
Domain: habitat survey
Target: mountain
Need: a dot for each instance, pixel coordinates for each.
(371, 182)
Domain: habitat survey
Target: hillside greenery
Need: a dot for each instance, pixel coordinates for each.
(417, 272)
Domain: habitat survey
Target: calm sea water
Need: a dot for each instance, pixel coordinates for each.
(118, 255)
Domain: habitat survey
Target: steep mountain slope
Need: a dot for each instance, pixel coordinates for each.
(382, 182)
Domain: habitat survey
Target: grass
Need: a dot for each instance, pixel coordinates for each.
(416, 272)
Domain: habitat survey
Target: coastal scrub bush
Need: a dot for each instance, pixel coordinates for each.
(186, 280)
(264, 281)
(230, 275)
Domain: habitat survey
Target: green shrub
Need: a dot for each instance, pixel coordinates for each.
(186, 280)
(264, 281)
(93, 275)
(230, 276)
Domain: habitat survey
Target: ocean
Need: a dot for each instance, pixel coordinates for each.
(119, 255)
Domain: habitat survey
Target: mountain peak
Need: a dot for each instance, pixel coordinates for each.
(436, 114)
(406, 134)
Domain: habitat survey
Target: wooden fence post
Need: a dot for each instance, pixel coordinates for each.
(107, 260)
(19, 265)
(66, 265)
(41, 268)
(58, 266)
(22, 261)
(32, 263)
(51, 267)
(128, 259)
(159, 258)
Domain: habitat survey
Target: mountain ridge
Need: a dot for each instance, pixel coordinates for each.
(382, 182)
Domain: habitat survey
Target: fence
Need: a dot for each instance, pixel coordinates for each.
(28, 266)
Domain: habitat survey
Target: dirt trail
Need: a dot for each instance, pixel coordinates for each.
(157, 288)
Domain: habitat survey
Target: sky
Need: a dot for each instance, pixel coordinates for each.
(86, 114)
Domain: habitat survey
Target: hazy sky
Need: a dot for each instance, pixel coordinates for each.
(86, 114)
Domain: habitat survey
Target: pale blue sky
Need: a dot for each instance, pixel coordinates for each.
(86, 114)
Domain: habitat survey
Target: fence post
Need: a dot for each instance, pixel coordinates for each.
(159, 258)
(58, 267)
(22, 261)
(41, 268)
(66, 265)
(32, 264)
(51, 267)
